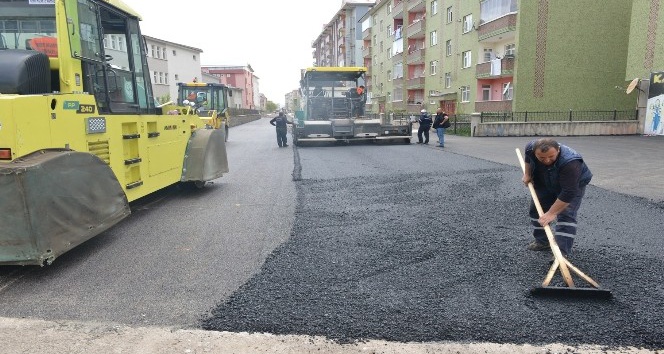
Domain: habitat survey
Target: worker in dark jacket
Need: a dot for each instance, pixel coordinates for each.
(425, 124)
(560, 177)
(281, 122)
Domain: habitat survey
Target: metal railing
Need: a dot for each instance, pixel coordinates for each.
(561, 116)
(460, 122)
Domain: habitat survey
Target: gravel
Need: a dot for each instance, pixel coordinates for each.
(379, 258)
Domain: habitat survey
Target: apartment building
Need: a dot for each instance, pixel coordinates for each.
(340, 42)
(499, 55)
(241, 77)
(169, 64)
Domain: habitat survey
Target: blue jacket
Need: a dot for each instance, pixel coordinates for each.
(566, 155)
(280, 122)
(425, 121)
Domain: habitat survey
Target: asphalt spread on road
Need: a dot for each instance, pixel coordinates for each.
(441, 257)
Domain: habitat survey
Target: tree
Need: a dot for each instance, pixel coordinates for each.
(271, 106)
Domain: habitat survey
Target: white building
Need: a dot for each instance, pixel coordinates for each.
(169, 64)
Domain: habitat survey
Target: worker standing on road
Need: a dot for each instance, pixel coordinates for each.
(440, 122)
(281, 122)
(425, 124)
(560, 177)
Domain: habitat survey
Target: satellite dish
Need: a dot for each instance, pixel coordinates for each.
(632, 86)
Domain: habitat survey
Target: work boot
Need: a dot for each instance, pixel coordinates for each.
(538, 246)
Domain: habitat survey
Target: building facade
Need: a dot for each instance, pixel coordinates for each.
(241, 77)
(340, 42)
(169, 64)
(504, 55)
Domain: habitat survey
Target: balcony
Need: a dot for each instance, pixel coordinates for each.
(416, 29)
(366, 52)
(489, 71)
(397, 58)
(397, 10)
(493, 106)
(416, 6)
(416, 56)
(398, 106)
(414, 107)
(366, 34)
(498, 29)
(415, 83)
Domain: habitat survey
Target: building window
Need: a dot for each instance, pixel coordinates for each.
(488, 54)
(121, 44)
(389, 75)
(448, 48)
(154, 77)
(173, 52)
(507, 91)
(163, 53)
(434, 38)
(448, 80)
(398, 70)
(467, 23)
(449, 14)
(434, 7)
(433, 66)
(152, 51)
(510, 49)
(486, 92)
(389, 30)
(194, 56)
(177, 77)
(466, 59)
(465, 93)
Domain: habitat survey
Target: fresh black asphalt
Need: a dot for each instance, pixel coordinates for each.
(439, 255)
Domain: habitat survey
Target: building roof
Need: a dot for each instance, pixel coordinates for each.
(194, 49)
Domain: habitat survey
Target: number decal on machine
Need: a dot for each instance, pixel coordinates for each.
(86, 108)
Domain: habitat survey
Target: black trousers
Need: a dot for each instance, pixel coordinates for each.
(282, 140)
(423, 130)
(565, 226)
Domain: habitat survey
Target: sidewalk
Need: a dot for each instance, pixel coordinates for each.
(632, 165)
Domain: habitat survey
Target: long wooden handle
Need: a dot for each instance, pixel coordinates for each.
(562, 264)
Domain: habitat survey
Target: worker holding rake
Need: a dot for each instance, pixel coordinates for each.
(560, 177)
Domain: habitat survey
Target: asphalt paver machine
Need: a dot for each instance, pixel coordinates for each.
(333, 109)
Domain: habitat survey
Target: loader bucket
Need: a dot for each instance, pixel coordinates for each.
(205, 158)
(53, 200)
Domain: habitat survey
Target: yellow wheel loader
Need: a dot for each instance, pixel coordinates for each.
(80, 133)
(209, 100)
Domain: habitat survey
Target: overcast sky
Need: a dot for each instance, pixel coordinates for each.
(274, 37)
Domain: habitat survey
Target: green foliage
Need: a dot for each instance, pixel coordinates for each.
(271, 106)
